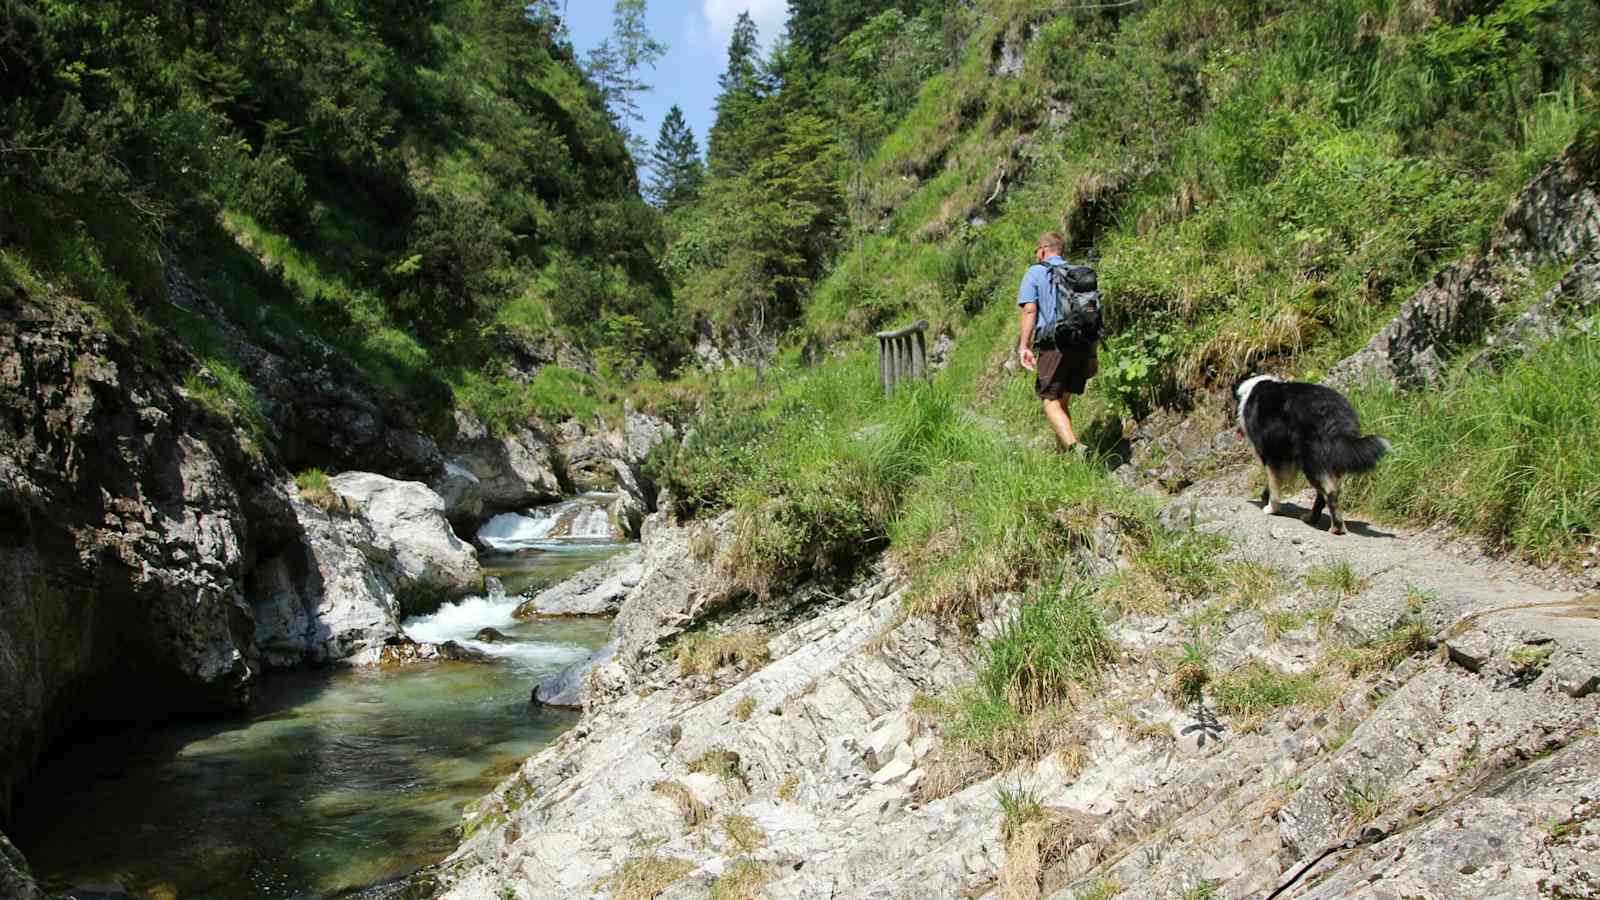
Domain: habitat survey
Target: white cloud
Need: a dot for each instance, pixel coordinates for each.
(769, 15)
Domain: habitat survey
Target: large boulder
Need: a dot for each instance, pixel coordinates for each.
(412, 539)
(322, 600)
(462, 494)
(586, 456)
(637, 493)
(514, 470)
(642, 432)
(596, 591)
(678, 586)
(633, 503)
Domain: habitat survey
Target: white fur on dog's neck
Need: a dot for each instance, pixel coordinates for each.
(1244, 395)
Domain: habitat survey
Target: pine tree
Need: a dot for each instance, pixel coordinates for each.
(743, 84)
(676, 163)
(742, 59)
(614, 64)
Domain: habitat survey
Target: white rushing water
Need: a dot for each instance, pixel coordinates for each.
(551, 527)
(461, 620)
(583, 522)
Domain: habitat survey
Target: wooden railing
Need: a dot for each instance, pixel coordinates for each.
(902, 354)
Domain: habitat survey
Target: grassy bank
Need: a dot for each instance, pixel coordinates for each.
(1512, 456)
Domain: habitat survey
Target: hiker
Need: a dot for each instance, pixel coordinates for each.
(1059, 371)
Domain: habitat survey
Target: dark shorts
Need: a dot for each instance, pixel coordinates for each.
(1065, 371)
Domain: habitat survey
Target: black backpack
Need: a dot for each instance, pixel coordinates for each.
(1078, 319)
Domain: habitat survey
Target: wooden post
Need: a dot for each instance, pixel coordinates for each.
(884, 367)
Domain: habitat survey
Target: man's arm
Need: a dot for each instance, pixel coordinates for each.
(1029, 315)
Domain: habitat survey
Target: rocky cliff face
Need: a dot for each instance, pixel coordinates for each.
(1555, 220)
(319, 410)
(129, 517)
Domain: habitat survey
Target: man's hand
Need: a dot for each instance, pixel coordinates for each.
(1028, 360)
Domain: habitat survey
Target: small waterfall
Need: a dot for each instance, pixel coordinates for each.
(583, 518)
(461, 621)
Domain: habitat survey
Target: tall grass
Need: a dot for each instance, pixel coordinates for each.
(1512, 456)
(1056, 642)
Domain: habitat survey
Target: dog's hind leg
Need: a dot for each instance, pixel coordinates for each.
(1315, 515)
(1269, 499)
(1320, 483)
(1333, 505)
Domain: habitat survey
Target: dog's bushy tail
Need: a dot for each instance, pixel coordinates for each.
(1356, 454)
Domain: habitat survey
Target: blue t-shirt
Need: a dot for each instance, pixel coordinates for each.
(1036, 289)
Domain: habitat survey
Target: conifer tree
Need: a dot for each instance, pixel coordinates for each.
(742, 59)
(614, 66)
(676, 163)
(742, 86)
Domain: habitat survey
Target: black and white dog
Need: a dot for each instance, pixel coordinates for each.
(1294, 425)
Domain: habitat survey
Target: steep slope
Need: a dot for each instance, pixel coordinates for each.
(1038, 689)
(419, 185)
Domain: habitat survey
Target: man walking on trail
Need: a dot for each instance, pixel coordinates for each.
(1058, 371)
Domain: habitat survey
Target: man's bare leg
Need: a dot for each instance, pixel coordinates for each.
(1056, 412)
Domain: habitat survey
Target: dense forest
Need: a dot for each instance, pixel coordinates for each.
(412, 182)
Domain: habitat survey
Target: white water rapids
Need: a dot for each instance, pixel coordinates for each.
(551, 527)
(562, 537)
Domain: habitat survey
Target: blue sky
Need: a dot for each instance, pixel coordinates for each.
(696, 34)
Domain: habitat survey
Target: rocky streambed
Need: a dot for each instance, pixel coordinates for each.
(337, 777)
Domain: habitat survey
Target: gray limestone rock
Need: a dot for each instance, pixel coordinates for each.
(462, 494)
(596, 591)
(324, 600)
(566, 688)
(513, 471)
(422, 555)
(585, 456)
(834, 758)
(129, 517)
(642, 432)
(675, 590)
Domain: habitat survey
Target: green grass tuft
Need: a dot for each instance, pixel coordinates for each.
(1055, 644)
(315, 490)
(1255, 691)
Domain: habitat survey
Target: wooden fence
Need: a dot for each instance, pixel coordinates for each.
(902, 354)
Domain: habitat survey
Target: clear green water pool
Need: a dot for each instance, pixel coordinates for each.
(333, 779)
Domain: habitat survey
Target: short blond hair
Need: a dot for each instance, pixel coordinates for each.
(1052, 240)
